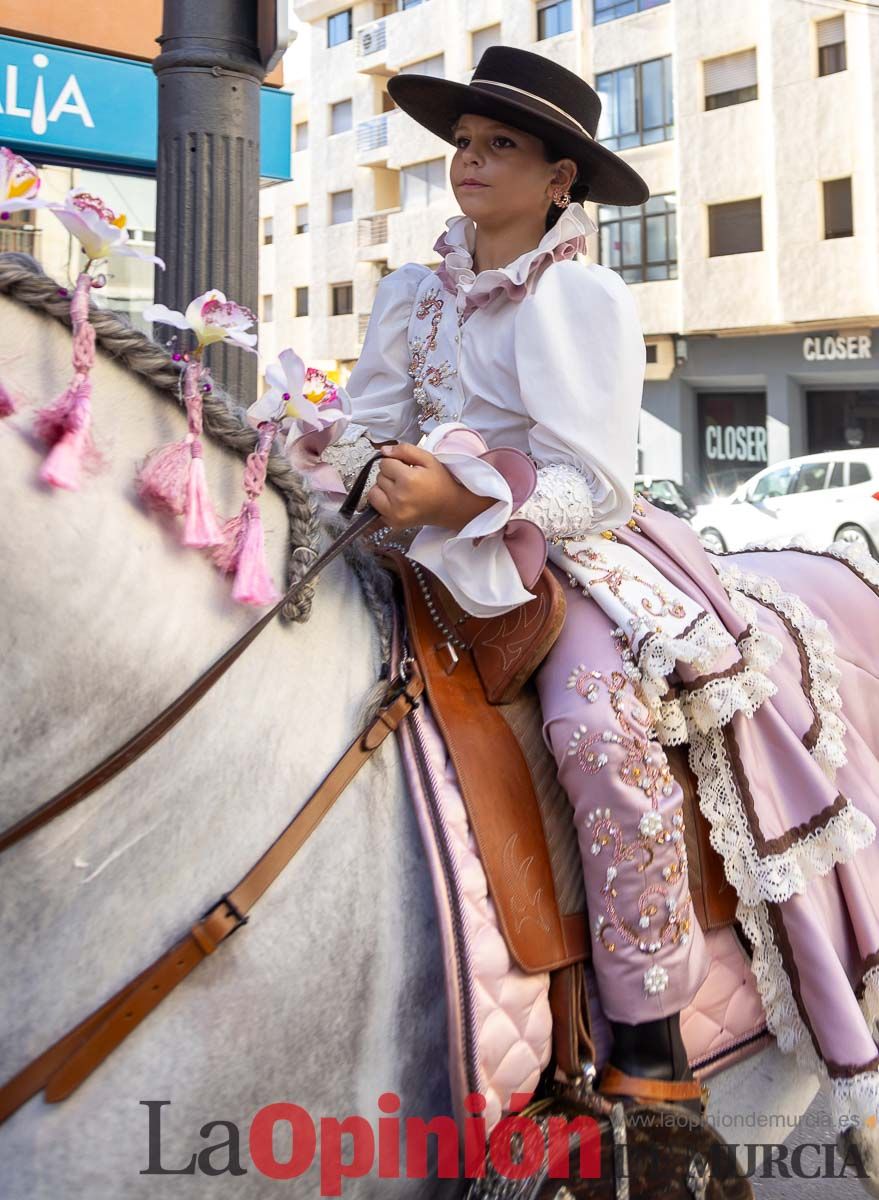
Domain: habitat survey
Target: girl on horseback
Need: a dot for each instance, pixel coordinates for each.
(515, 341)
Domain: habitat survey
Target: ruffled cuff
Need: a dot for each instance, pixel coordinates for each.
(491, 563)
(330, 463)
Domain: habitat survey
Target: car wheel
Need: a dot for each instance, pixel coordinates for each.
(712, 540)
(854, 535)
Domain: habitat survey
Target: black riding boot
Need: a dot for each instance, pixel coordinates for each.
(647, 1056)
(651, 1050)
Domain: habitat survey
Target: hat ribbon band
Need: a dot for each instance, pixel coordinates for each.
(532, 96)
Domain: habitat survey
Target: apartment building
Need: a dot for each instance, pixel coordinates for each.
(753, 263)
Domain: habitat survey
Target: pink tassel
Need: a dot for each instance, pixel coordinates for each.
(161, 480)
(226, 554)
(201, 527)
(66, 423)
(7, 404)
(242, 546)
(63, 464)
(253, 584)
(172, 478)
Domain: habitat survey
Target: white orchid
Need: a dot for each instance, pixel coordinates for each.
(19, 183)
(303, 397)
(99, 230)
(211, 317)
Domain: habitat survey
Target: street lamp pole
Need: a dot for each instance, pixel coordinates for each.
(207, 221)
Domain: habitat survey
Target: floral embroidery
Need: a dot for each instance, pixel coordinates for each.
(613, 577)
(429, 408)
(644, 766)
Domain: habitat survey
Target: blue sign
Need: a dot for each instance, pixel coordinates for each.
(94, 108)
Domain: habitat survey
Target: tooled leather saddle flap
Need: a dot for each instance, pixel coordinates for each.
(498, 793)
(506, 650)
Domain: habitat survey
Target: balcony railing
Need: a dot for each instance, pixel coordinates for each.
(26, 241)
(373, 230)
(372, 37)
(372, 134)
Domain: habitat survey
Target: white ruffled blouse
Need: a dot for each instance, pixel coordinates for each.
(545, 355)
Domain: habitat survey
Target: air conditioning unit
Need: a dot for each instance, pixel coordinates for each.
(369, 41)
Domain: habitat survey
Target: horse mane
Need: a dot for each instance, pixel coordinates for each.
(23, 279)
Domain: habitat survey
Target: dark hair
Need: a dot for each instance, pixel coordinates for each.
(579, 189)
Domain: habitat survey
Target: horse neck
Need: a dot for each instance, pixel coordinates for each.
(107, 617)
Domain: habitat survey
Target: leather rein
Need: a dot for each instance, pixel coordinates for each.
(151, 733)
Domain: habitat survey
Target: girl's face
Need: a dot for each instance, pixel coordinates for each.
(499, 171)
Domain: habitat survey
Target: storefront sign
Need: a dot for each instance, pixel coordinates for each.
(736, 443)
(830, 349)
(733, 444)
(94, 108)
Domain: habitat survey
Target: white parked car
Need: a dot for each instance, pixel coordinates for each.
(820, 497)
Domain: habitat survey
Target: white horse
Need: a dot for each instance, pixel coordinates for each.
(333, 993)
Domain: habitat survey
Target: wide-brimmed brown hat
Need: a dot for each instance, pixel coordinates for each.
(533, 93)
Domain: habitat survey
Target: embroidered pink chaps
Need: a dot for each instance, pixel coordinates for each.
(788, 774)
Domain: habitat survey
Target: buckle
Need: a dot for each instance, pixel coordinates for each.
(452, 653)
(233, 910)
(399, 686)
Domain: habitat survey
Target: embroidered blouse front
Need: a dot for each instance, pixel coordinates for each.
(545, 355)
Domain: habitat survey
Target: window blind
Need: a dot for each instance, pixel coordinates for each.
(482, 39)
(731, 72)
(831, 32)
(434, 66)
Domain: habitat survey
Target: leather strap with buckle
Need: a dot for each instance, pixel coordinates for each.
(64, 1066)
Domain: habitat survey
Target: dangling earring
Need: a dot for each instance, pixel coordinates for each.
(561, 199)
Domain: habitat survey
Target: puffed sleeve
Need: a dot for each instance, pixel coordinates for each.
(380, 387)
(580, 359)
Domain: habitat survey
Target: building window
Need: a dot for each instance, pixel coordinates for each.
(343, 299)
(553, 18)
(341, 117)
(341, 207)
(481, 39)
(652, 352)
(423, 183)
(267, 309)
(838, 218)
(435, 66)
(300, 303)
(831, 45)
(636, 104)
(640, 243)
(301, 135)
(301, 218)
(731, 79)
(268, 231)
(735, 228)
(609, 10)
(339, 28)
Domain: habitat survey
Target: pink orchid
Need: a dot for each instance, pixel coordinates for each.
(19, 183)
(300, 401)
(99, 230)
(211, 317)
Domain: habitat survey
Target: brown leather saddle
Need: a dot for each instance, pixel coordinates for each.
(476, 674)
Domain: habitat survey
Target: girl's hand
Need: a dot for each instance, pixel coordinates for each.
(414, 488)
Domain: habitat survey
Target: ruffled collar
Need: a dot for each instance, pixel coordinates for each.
(457, 244)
